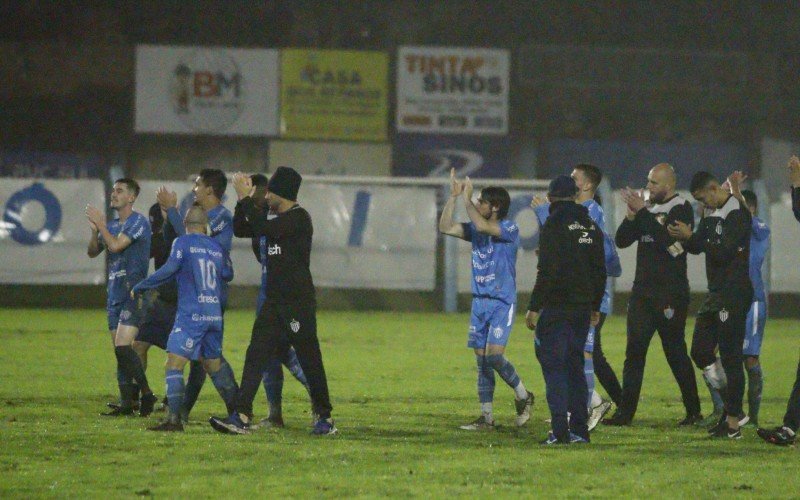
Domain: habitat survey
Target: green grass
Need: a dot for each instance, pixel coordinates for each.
(400, 385)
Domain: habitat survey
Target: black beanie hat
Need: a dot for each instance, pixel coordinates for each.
(285, 182)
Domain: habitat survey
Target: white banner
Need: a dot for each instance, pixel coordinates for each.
(364, 236)
(44, 233)
(449, 90)
(215, 91)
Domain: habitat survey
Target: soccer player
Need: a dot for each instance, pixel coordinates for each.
(273, 375)
(724, 236)
(200, 265)
(587, 178)
(289, 313)
(495, 241)
(127, 239)
(660, 296)
(785, 434)
(565, 302)
(209, 189)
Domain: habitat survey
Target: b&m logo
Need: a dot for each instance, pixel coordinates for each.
(207, 91)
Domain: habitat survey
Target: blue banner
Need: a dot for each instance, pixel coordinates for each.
(45, 165)
(422, 155)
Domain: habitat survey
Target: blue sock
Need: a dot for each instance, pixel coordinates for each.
(291, 362)
(175, 393)
(273, 386)
(504, 367)
(588, 372)
(755, 385)
(225, 383)
(485, 380)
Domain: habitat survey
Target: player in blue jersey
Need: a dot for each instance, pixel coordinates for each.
(587, 178)
(757, 316)
(209, 190)
(200, 266)
(273, 375)
(495, 241)
(127, 239)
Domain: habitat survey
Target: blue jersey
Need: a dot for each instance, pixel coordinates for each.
(200, 266)
(220, 221)
(128, 267)
(759, 245)
(613, 266)
(494, 261)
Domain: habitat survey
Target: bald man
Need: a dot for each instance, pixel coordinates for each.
(660, 297)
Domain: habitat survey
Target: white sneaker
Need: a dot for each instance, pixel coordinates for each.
(523, 407)
(597, 414)
(479, 424)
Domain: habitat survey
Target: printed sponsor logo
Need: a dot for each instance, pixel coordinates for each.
(116, 274)
(273, 249)
(203, 317)
(207, 299)
(585, 239)
(646, 238)
(575, 226)
(485, 279)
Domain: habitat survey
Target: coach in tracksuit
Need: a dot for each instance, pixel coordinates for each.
(660, 297)
(565, 301)
(724, 236)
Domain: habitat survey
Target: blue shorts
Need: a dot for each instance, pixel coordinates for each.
(157, 324)
(589, 346)
(490, 323)
(756, 319)
(192, 345)
(128, 313)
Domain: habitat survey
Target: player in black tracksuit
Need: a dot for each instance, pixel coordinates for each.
(288, 315)
(724, 236)
(566, 299)
(787, 433)
(660, 297)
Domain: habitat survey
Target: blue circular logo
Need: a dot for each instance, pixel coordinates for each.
(12, 215)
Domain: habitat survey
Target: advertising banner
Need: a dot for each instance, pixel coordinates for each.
(210, 91)
(41, 164)
(334, 94)
(364, 236)
(451, 90)
(420, 155)
(44, 233)
(332, 158)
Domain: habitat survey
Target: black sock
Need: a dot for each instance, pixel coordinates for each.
(132, 366)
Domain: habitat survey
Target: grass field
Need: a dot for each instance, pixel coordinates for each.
(400, 385)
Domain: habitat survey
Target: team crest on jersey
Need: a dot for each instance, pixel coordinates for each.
(189, 343)
(723, 315)
(669, 312)
(498, 332)
(718, 229)
(294, 325)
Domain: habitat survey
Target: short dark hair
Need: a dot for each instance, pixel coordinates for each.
(259, 179)
(497, 197)
(701, 180)
(131, 184)
(216, 179)
(750, 198)
(591, 172)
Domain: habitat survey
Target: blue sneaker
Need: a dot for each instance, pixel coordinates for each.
(324, 427)
(574, 438)
(551, 439)
(232, 424)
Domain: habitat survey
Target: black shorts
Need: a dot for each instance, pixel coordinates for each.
(157, 324)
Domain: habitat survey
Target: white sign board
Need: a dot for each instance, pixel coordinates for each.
(211, 91)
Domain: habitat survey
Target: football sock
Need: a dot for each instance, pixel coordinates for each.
(273, 386)
(715, 379)
(755, 385)
(135, 391)
(175, 392)
(595, 400)
(588, 372)
(485, 381)
(125, 387)
(132, 367)
(486, 411)
(194, 383)
(508, 373)
(293, 365)
(225, 383)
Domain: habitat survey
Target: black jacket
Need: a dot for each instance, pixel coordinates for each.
(796, 202)
(724, 236)
(660, 262)
(572, 268)
(242, 228)
(289, 237)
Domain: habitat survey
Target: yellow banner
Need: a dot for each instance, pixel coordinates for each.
(334, 94)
